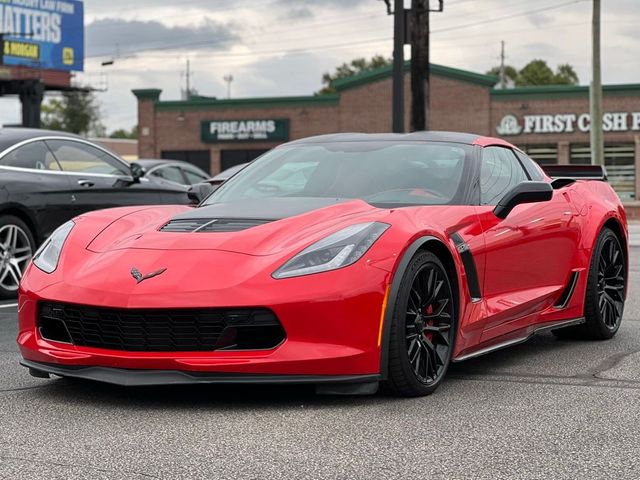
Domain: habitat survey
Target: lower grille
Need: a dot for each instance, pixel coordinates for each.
(160, 330)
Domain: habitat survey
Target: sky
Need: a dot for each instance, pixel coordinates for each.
(282, 47)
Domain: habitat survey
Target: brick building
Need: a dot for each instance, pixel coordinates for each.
(551, 123)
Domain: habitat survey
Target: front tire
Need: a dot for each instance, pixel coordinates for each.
(16, 249)
(422, 328)
(605, 294)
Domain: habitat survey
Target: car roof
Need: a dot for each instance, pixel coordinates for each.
(11, 135)
(148, 163)
(423, 136)
(223, 175)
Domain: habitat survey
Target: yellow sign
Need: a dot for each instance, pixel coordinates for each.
(27, 50)
(67, 56)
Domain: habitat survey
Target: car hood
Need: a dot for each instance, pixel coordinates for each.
(254, 227)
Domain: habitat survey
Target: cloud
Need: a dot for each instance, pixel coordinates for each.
(115, 35)
(303, 9)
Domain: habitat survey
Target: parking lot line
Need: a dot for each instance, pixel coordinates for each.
(9, 305)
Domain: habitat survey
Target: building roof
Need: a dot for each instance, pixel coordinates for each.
(386, 72)
(199, 102)
(382, 73)
(561, 91)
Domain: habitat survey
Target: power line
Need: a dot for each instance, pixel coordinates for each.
(506, 17)
(446, 29)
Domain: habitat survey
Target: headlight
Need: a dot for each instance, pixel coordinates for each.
(46, 257)
(337, 250)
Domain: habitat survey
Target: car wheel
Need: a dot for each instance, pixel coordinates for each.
(422, 329)
(16, 249)
(605, 295)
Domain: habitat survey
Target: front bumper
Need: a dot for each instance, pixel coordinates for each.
(331, 321)
(139, 378)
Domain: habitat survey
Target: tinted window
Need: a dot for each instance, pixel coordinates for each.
(384, 173)
(80, 157)
(500, 172)
(34, 155)
(193, 176)
(532, 168)
(172, 174)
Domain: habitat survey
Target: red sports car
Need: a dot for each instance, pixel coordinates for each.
(344, 260)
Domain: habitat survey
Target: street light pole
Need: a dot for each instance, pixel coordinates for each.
(595, 92)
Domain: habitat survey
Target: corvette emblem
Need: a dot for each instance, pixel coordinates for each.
(135, 273)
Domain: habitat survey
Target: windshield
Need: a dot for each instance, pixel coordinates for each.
(380, 173)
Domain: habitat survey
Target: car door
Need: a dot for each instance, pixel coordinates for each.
(193, 175)
(529, 256)
(100, 180)
(32, 179)
(167, 175)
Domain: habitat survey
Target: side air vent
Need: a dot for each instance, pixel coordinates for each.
(212, 225)
(567, 293)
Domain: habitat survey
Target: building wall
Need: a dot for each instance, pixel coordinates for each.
(576, 105)
(178, 129)
(455, 105)
(460, 101)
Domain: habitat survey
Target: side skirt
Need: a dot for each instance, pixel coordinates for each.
(518, 340)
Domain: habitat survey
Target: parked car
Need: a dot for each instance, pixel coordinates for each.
(342, 260)
(225, 175)
(47, 178)
(172, 171)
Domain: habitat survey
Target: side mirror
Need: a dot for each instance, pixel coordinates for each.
(137, 171)
(199, 192)
(525, 192)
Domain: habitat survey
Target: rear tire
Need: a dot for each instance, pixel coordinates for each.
(423, 328)
(605, 294)
(17, 246)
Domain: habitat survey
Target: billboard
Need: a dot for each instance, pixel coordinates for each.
(46, 34)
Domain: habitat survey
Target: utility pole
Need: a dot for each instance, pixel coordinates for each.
(398, 65)
(188, 80)
(228, 79)
(595, 92)
(503, 79)
(420, 62)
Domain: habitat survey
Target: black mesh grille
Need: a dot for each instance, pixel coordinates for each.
(212, 224)
(160, 330)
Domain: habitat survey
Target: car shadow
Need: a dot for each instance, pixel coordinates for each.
(252, 397)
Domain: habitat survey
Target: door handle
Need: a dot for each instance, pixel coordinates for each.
(85, 183)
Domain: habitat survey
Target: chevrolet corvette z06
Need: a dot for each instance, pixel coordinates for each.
(345, 261)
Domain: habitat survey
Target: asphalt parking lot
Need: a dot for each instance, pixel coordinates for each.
(544, 409)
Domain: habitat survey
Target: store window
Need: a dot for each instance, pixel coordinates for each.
(199, 158)
(542, 154)
(620, 162)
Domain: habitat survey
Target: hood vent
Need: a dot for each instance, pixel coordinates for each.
(212, 225)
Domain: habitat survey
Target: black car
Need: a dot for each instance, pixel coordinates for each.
(47, 178)
(175, 171)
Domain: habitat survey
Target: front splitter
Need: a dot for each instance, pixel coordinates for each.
(331, 384)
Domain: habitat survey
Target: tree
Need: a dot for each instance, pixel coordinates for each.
(355, 67)
(124, 133)
(76, 112)
(511, 73)
(537, 72)
(566, 75)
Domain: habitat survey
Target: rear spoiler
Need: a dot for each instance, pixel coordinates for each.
(576, 172)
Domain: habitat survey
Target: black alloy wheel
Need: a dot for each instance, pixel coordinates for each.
(611, 282)
(605, 293)
(423, 328)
